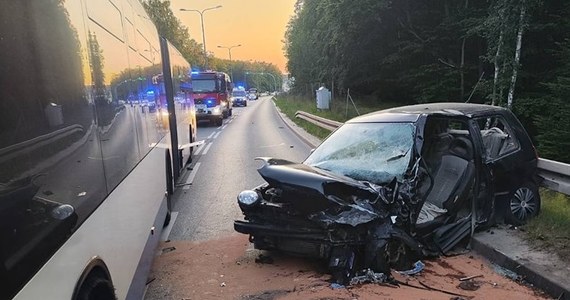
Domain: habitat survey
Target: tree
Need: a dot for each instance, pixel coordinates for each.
(172, 29)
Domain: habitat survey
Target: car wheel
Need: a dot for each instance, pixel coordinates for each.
(245, 103)
(524, 203)
(219, 122)
(231, 112)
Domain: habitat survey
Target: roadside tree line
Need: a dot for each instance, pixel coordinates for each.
(513, 53)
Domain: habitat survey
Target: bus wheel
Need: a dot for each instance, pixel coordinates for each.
(96, 287)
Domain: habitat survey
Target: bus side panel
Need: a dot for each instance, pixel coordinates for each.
(116, 232)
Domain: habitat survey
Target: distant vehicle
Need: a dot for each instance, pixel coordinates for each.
(390, 187)
(251, 97)
(254, 91)
(212, 96)
(239, 97)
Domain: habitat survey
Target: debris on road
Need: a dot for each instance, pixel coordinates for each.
(190, 273)
(168, 249)
(369, 276)
(418, 267)
(469, 285)
(264, 259)
(470, 277)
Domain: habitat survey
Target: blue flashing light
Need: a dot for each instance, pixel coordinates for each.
(150, 93)
(210, 102)
(195, 72)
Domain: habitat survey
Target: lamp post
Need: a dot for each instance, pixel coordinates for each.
(263, 73)
(201, 12)
(230, 54)
(274, 80)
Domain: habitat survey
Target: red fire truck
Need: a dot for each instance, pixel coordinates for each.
(212, 93)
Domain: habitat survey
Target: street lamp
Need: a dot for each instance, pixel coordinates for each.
(230, 54)
(201, 12)
(274, 80)
(263, 73)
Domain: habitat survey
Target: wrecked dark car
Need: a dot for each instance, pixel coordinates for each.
(391, 187)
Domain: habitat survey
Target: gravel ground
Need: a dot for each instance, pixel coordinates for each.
(226, 268)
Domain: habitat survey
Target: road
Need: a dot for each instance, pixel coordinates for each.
(203, 258)
(225, 165)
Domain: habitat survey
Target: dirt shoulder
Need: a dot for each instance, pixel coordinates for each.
(226, 268)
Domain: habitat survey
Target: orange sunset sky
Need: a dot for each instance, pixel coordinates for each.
(258, 25)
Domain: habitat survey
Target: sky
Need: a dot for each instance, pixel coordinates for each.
(258, 25)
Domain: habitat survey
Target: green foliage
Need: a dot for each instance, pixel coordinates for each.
(172, 29)
(414, 51)
(551, 229)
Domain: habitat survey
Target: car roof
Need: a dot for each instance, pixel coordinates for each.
(412, 113)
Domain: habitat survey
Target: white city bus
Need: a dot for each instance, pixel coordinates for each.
(92, 103)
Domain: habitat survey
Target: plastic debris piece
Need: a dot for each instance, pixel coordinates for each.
(369, 277)
(336, 286)
(469, 285)
(470, 277)
(418, 267)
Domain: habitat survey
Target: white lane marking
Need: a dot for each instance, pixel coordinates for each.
(211, 134)
(166, 231)
(207, 148)
(190, 178)
(224, 127)
(198, 150)
(215, 136)
(271, 146)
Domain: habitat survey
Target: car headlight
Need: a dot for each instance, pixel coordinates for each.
(216, 110)
(248, 199)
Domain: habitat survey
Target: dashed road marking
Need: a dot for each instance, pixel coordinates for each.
(190, 178)
(211, 134)
(224, 127)
(198, 150)
(217, 134)
(207, 148)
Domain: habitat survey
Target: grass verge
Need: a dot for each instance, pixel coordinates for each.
(551, 229)
(289, 105)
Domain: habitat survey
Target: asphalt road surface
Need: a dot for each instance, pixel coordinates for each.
(205, 203)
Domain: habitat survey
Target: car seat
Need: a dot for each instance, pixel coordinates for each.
(452, 183)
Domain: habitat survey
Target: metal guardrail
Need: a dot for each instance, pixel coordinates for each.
(319, 121)
(555, 175)
(33, 144)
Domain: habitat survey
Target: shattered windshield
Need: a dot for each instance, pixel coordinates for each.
(374, 152)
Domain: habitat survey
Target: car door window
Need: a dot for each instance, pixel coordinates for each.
(498, 138)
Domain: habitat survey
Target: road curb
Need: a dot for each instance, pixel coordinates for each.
(536, 274)
(306, 137)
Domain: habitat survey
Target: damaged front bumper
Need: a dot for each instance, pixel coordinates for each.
(352, 225)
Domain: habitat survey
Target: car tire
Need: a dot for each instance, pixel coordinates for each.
(245, 103)
(523, 204)
(231, 112)
(219, 122)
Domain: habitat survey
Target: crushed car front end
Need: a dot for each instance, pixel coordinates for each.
(353, 202)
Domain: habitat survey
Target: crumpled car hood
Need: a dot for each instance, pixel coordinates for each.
(323, 196)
